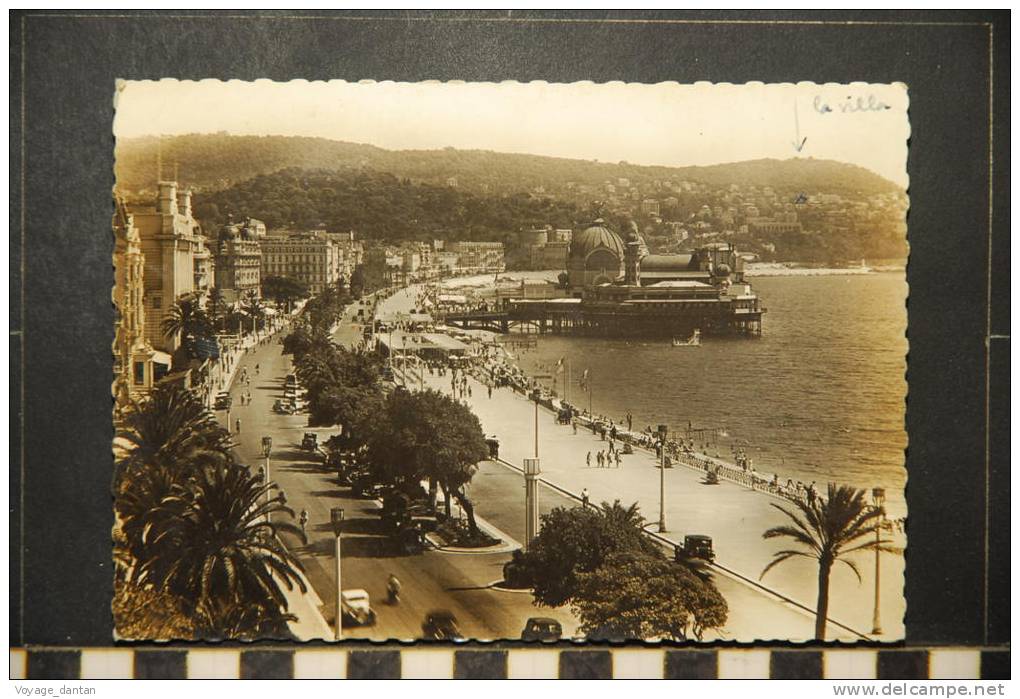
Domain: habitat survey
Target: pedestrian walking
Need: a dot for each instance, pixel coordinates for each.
(303, 519)
(237, 426)
(617, 459)
(587, 460)
(490, 393)
(584, 498)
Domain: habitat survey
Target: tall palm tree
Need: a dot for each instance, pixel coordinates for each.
(213, 544)
(217, 307)
(253, 307)
(168, 427)
(828, 530)
(187, 319)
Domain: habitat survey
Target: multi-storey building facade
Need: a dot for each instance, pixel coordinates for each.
(479, 256)
(239, 259)
(137, 366)
(177, 262)
(316, 259)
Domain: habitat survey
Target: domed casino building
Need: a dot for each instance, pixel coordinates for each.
(595, 257)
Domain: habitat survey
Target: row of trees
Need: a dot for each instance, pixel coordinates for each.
(197, 553)
(197, 325)
(402, 438)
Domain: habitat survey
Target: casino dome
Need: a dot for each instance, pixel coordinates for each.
(593, 238)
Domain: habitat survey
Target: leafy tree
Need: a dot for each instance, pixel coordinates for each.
(428, 435)
(145, 612)
(633, 595)
(828, 530)
(576, 541)
(284, 290)
(358, 282)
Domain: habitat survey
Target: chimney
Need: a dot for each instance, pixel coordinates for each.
(184, 202)
(167, 197)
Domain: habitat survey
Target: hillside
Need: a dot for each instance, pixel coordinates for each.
(379, 206)
(217, 161)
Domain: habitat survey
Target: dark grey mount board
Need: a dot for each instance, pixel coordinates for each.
(63, 68)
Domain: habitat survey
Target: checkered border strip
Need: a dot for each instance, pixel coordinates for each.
(427, 662)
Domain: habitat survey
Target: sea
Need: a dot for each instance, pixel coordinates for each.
(819, 397)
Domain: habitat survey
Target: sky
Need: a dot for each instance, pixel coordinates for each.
(658, 124)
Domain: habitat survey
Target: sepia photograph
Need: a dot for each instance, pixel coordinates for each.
(509, 361)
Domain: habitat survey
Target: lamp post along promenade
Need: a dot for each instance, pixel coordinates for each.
(267, 450)
(531, 472)
(336, 520)
(878, 497)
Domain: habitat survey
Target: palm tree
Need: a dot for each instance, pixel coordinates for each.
(828, 530)
(169, 427)
(213, 544)
(253, 307)
(217, 307)
(187, 319)
(624, 517)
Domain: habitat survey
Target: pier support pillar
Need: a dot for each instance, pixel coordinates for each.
(531, 473)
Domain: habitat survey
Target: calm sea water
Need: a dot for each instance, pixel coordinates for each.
(820, 397)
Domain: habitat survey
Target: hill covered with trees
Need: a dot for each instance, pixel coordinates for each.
(379, 206)
(217, 161)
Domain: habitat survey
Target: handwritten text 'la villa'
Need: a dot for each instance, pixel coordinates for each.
(850, 105)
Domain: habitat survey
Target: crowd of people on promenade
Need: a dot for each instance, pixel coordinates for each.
(491, 365)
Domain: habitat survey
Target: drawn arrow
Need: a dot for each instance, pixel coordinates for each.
(798, 144)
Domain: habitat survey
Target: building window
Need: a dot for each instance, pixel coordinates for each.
(139, 373)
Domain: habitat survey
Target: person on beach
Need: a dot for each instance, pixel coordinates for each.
(617, 459)
(587, 460)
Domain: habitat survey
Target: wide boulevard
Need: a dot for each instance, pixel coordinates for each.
(461, 583)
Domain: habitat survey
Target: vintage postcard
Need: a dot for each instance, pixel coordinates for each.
(510, 361)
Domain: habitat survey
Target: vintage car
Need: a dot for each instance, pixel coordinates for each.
(283, 407)
(310, 442)
(223, 401)
(493, 444)
(357, 607)
(695, 546)
(542, 629)
(441, 625)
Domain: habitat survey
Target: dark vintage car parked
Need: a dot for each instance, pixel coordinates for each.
(542, 629)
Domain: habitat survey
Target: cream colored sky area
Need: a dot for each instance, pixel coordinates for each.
(662, 124)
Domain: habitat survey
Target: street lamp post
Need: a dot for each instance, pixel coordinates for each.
(878, 497)
(267, 450)
(662, 477)
(531, 473)
(336, 519)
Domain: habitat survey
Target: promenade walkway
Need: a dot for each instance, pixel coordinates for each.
(733, 515)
